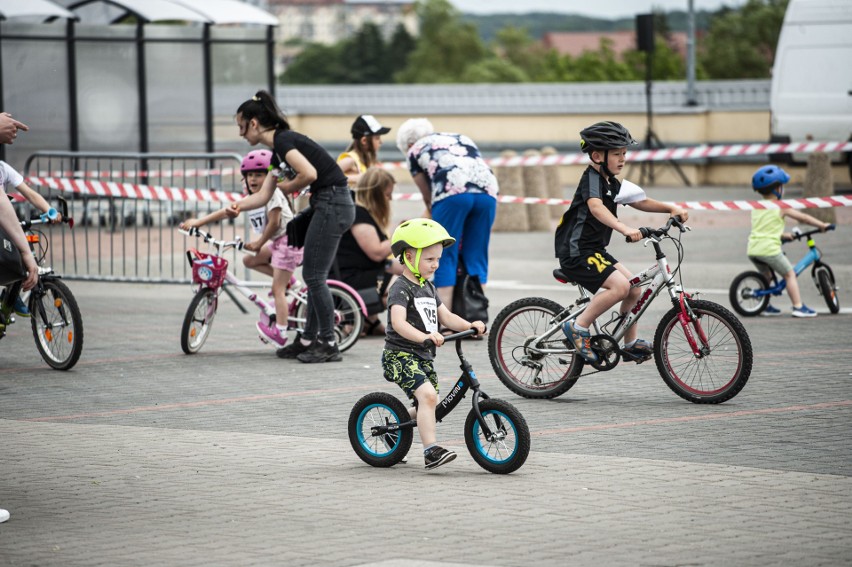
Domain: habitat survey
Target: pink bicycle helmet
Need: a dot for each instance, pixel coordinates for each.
(256, 160)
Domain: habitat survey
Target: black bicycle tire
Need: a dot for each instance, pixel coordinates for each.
(664, 358)
(189, 318)
(733, 295)
(522, 436)
(498, 354)
(825, 282)
(405, 436)
(69, 302)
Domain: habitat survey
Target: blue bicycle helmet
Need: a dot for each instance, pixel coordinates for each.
(766, 179)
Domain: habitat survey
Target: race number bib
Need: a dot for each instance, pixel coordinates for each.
(428, 309)
(257, 219)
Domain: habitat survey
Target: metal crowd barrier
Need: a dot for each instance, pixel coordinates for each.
(131, 238)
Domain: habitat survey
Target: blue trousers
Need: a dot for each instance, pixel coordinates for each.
(468, 218)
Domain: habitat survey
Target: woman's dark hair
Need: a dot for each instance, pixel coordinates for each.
(264, 108)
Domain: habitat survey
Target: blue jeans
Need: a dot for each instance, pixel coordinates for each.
(334, 212)
(468, 218)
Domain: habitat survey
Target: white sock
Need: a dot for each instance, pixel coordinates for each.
(305, 342)
(579, 328)
(426, 449)
(281, 329)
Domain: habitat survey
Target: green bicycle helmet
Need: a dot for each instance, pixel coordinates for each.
(418, 234)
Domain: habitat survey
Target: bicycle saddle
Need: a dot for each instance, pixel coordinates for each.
(562, 278)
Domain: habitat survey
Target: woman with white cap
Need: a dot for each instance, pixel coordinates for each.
(363, 150)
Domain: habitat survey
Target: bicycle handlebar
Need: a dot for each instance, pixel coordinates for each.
(455, 336)
(798, 234)
(238, 244)
(49, 216)
(663, 231)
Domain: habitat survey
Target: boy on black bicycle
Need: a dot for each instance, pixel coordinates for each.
(415, 310)
(586, 229)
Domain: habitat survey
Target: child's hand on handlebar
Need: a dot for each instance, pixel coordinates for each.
(682, 215)
(189, 223)
(435, 337)
(479, 326)
(633, 234)
(253, 246)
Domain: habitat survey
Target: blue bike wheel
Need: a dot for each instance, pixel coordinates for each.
(379, 409)
(509, 445)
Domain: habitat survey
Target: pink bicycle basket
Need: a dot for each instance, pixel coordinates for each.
(209, 270)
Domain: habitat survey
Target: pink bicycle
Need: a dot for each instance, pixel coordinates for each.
(210, 276)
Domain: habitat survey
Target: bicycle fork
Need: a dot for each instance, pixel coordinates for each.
(688, 322)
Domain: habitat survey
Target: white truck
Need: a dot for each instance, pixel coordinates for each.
(811, 97)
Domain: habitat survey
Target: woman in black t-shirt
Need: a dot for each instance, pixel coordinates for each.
(299, 162)
(364, 250)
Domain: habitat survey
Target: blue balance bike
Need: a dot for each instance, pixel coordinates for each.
(750, 291)
(496, 434)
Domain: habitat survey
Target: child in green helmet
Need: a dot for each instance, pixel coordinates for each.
(414, 313)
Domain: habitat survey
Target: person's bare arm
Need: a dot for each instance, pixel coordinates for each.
(654, 206)
(36, 200)
(799, 216)
(221, 214)
(368, 240)
(408, 331)
(600, 212)
(305, 173)
(273, 221)
(256, 200)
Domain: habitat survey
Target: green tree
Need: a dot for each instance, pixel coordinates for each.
(318, 65)
(367, 54)
(741, 43)
(530, 57)
(445, 48)
(399, 47)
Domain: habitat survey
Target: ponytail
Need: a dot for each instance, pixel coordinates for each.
(264, 108)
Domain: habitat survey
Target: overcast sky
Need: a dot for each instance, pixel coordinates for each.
(595, 8)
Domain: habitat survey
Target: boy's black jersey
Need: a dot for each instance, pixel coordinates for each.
(579, 232)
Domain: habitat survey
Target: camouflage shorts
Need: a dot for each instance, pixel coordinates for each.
(408, 371)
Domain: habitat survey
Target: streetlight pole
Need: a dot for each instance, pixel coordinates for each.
(690, 55)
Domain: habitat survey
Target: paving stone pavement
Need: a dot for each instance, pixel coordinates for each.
(142, 455)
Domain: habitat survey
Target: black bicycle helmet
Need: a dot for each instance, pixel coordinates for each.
(605, 136)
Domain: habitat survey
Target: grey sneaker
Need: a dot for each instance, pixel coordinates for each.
(437, 456)
(320, 352)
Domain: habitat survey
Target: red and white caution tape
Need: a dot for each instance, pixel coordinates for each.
(163, 193)
(703, 151)
(809, 203)
(132, 173)
(133, 190)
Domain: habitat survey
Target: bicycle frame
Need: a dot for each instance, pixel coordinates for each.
(812, 256)
(466, 382)
(294, 296)
(659, 276)
(656, 277)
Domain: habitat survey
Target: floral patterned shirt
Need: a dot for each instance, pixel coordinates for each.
(453, 165)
